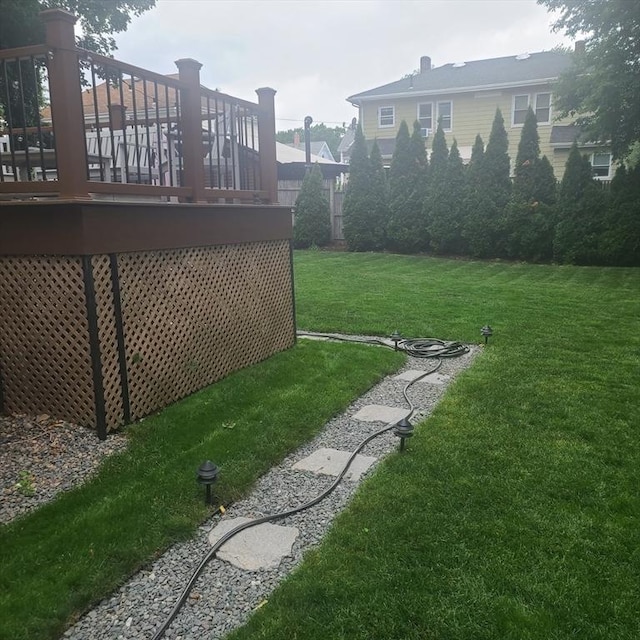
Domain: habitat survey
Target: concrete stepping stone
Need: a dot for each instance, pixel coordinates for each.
(432, 378)
(330, 462)
(380, 413)
(260, 547)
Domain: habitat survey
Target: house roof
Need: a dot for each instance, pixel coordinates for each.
(141, 91)
(286, 154)
(347, 140)
(317, 147)
(525, 69)
(292, 163)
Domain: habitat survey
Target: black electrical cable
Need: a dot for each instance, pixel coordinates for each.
(448, 351)
(414, 347)
(270, 518)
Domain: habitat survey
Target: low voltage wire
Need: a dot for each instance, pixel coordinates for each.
(427, 348)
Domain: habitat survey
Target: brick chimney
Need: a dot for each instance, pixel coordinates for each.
(425, 64)
(579, 47)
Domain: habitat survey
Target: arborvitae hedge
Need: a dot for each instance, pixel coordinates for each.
(379, 208)
(620, 242)
(528, 219)
(406, 232)
(476, 211)
(312, 213)
(483, 221)
(446, 207)
(581, 213)
(365, 212)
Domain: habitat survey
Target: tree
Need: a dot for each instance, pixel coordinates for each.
(620, 242)
(527, 158)
(445, 230)
(21, 25)
(407, 178)
(436, 192)
(379, 191)
(319, 133)
(482, 229)
(602, 90)
(528, 218)
(363, 221)
(312, 213)
(581, 209)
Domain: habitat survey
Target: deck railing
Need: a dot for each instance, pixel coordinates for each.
(75, 124)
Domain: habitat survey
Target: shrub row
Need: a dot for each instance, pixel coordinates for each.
(479, 210)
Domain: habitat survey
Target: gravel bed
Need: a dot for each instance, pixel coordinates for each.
(225, 596)
(40, 457)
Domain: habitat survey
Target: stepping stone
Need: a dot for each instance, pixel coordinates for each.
(432, 378)
(380, 413)
(260, 547)
(330, 462)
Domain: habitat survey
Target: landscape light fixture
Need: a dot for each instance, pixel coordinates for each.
(207, 475)
(404, 430)
(395, 338)
(487, 332)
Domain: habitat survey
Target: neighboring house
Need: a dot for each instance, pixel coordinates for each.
(144, 154)
(346, 143)
(319, 148)
(132, 95)
(464, 97)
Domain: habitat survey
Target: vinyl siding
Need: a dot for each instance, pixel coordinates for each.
(472, 114)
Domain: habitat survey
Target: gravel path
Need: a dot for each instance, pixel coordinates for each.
(225, 596)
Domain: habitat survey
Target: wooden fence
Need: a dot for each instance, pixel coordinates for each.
(288, 191)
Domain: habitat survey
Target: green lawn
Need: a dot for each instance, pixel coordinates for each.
(71, 553)
(515, 512)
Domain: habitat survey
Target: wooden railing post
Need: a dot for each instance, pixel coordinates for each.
(66, 104)
(267, 142)
(191, 118)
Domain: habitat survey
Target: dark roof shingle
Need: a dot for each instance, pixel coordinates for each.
(477, 73)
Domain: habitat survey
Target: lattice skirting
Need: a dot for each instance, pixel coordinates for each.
(108, 339)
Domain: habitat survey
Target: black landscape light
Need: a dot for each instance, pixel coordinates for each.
(395, 338)
(487, 332)
(404, 430)
(207, 475)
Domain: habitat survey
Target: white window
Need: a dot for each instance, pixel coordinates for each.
(543, 108)
(386, 116)
(425, 118)
(445, 110)
(601, 165)
(520, 108)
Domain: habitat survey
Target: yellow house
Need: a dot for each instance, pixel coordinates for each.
(464, 97)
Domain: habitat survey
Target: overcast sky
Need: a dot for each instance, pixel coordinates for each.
(317, 53)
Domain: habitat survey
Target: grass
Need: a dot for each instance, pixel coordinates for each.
(515, 512)
(72, 552)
